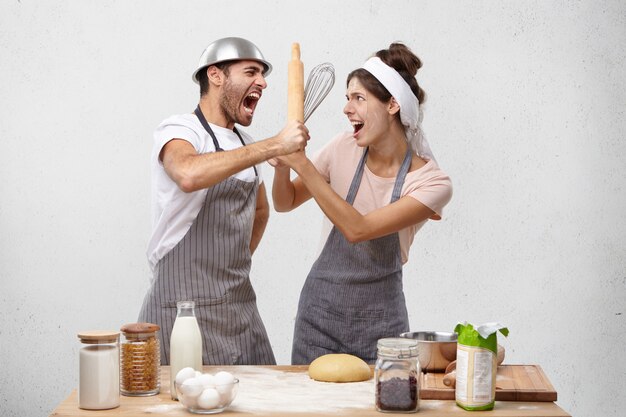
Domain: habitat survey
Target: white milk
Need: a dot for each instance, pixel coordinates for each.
(185, 348)
(99, 386)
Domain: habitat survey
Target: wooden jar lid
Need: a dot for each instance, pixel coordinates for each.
(98, 336)
(134, 328)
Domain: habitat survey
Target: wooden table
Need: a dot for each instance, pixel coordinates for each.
(287, 391)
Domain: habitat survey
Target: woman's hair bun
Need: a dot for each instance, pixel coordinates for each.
(402, 59)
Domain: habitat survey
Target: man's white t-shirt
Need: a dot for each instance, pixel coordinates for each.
(173, 211)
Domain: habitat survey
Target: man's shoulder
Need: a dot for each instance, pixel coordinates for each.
(188, 120)
(181, 126)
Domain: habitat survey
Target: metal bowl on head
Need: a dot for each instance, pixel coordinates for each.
(435, 349)
(230, 49)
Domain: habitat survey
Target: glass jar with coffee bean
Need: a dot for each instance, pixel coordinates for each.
(397, 376)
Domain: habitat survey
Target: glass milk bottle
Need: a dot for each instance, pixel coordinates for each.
(185, 342)
(99, 369)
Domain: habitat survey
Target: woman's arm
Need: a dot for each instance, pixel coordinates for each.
(355, 226)
(287, 194)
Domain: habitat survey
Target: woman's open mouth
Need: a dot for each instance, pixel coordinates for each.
(250, 102)
(356, 126)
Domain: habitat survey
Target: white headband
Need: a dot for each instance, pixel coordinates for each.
(411, 113)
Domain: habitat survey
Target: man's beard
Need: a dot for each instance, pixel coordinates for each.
(230, 102)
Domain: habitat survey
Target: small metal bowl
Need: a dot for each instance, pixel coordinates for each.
(435, 349)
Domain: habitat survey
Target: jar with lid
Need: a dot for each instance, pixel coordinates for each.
(99, 370)
(140, 360)
(397, 376)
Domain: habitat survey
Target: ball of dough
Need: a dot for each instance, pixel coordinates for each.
(339, 367)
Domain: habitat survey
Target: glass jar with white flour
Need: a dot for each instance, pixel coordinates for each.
(99, 367)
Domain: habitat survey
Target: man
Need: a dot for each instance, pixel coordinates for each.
(210, 207)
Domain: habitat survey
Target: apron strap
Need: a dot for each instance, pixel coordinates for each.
(204, 123)
(356, 180)
(397, 188)
(404, 169)
(244, 144)
(218, 148)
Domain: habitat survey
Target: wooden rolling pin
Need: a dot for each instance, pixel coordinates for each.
(449, 379)
(295, 88)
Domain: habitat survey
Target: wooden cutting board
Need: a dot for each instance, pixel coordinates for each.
(513, 383)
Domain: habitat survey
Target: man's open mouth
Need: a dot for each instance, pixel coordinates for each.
(250, 102)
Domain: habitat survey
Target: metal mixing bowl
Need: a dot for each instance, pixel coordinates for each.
(230, 49)
(435, 349)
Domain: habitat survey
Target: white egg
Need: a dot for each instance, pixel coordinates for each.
(224, 385)
(187, 401)
(184, 374)
(198, 373)
(207, 380)
(224, 377)
(208, 399)
(227, 396)
(192, 387)
(224, 391)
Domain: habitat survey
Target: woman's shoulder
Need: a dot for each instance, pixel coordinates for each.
(431, 186)
(428, 172)
(428, 178)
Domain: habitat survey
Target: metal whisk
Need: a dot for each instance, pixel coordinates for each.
(318, 85)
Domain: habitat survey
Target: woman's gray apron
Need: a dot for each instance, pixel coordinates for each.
(353, 295)
(211, 266)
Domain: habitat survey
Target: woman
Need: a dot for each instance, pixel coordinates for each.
(378, 185)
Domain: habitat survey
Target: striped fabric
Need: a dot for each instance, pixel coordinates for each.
(353, 294)
(211, 266)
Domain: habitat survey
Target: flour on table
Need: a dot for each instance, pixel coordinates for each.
(265, 390)
(163, 408)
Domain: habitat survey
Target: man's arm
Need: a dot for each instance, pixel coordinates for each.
(261, 216)
(192, 171)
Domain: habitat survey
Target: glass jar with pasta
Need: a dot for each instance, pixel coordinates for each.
(140, 359)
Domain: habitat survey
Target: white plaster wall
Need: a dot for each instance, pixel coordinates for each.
(525, 111)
